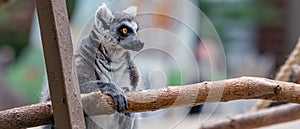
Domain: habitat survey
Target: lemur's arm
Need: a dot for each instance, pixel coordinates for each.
(90, 70)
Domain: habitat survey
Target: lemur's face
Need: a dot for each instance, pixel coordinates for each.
(125, 29)
(122, 26)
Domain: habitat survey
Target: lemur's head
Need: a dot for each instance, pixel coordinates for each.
(121, 26)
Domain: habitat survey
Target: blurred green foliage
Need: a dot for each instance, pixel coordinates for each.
(14, 35)
(242, 10)
(17, 41)
(224, 14)
(175, 77)
(26, 74)
(70, 7)
(11, 34)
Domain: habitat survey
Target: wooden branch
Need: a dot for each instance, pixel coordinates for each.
(27, 116)
(263, 117)
(174, 96)
(283, 74)
(274, 115)
(295, 76)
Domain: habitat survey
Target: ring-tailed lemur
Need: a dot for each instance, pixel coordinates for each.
(103, 63)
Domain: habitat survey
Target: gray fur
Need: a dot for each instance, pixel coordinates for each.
(104, 64)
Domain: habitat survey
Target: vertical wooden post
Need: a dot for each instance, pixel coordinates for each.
(58, 52)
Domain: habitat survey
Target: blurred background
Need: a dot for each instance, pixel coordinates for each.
(254, 39)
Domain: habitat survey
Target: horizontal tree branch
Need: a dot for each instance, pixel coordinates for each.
(27, 116)
(285, 113)
(154, 99)
(264, 117)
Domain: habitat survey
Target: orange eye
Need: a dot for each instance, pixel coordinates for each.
(124, 30)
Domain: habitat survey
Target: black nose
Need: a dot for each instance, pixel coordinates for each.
(139, 45)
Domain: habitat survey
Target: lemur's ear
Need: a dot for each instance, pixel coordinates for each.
(132, 10)
(105, 14)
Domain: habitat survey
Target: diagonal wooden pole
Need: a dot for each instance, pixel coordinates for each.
(58, 52)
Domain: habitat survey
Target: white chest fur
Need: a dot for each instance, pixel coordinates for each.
(120, 74)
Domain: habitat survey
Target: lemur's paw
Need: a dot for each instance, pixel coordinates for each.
(117, 94)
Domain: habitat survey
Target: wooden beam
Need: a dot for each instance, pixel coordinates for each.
(58, 52)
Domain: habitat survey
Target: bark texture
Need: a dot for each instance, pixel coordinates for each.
(27, 116)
